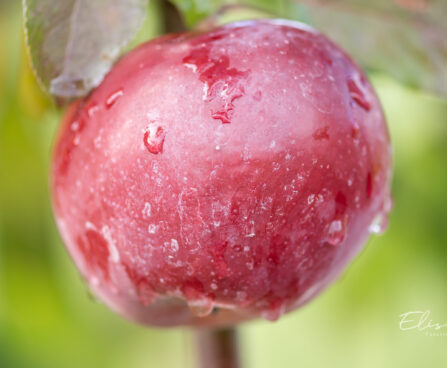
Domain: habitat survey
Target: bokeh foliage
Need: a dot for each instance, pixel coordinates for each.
(48, 319)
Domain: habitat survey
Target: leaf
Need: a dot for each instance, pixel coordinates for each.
(232, 13)
(73, 43)
(404, 38)
(196, 10)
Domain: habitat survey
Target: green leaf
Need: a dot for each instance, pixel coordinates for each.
(406, 39)
(196, 10)
(73, 43)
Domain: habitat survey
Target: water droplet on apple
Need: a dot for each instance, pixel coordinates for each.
(222, 84)
(355, 129)
(357, 93)
(250, 230)
(201, 307)
(92, 109)
(321, 133)
(146, 212)
(75, 126)
(110, 101)
(174, 245)
(379, 224)
(336, 233)
(154, 138)
(311, 199)
(274, 312)
(114, 255)
(97, 142)
(152, 229)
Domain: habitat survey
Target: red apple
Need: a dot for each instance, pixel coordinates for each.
(214, 177)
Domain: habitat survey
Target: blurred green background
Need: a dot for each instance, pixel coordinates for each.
(48, 319)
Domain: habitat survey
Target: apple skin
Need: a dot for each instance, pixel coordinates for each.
(216, 177)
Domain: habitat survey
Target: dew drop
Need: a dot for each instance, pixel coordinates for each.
(250, 265)
(379, 224)
(355, 129)
(174, 245)
(93, 108)
(336, 233)
(311, 199)
(250, 230)
(201, 307)
(321, 133)
(154, 138)
(114, 255)
(274, 312)
(113, 98)
(358, 94)
(193, 67)
(89, 226)
(146, 212)
(75, 126)
(222, 84)
(97, 142)
(152, 229)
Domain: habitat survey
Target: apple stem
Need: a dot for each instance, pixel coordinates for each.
(218, 348)
(173, 18)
